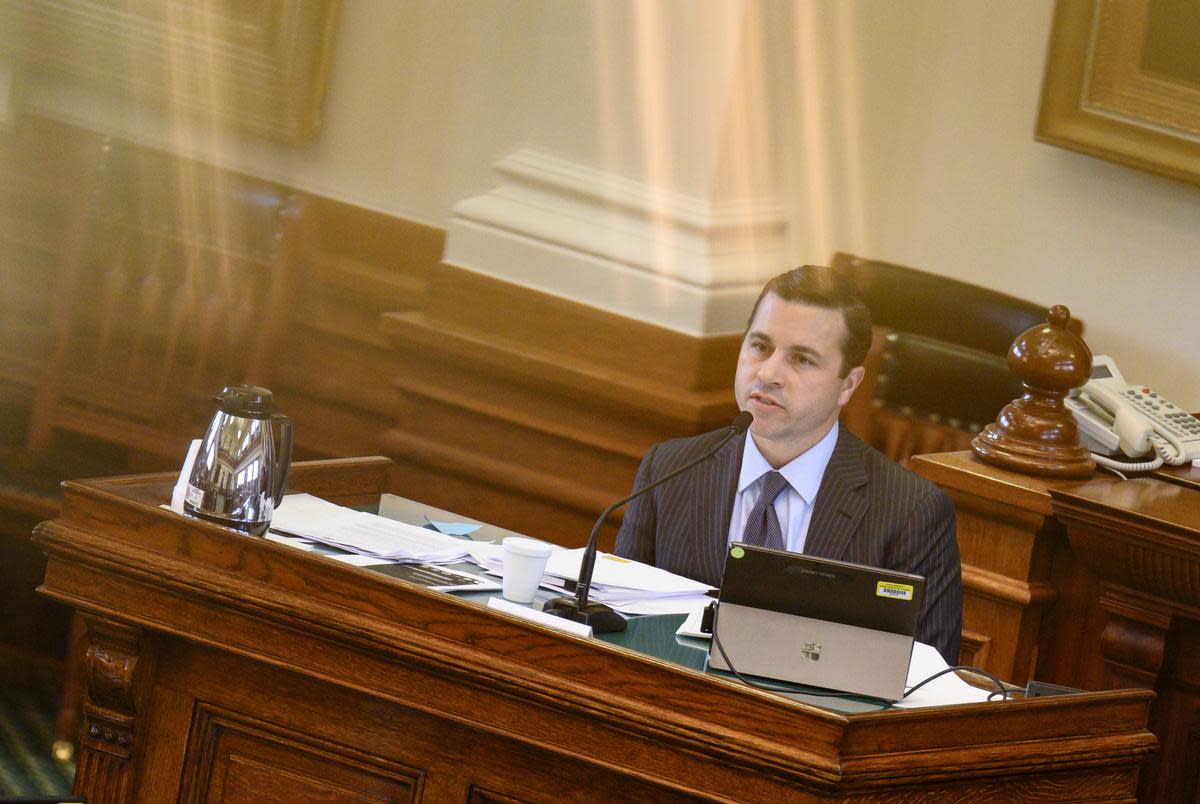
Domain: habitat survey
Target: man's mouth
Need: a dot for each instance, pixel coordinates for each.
(764, 400)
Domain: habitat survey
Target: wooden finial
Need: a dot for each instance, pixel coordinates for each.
(1037, 434)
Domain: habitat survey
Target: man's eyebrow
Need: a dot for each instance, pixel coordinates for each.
(758, 335)
(803, 351)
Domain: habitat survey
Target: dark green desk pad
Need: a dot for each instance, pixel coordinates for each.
(652, 635)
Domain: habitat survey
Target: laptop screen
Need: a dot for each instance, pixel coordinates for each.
(816, 621)
(822, 589)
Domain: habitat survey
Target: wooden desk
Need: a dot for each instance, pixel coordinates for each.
(1016, 561)
(227, 668)
(1112, 569)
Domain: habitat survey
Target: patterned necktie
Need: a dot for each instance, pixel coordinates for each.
(762, 526)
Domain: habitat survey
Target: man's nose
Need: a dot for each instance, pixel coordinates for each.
(770, 370)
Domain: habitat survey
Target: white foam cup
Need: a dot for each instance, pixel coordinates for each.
(524, 563)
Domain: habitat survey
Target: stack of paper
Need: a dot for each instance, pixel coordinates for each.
(360, 532)
(628, 586)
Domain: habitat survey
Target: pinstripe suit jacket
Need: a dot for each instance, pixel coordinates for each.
(869, 510)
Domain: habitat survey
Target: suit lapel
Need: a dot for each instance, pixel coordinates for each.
(841, 500)
(717, 482)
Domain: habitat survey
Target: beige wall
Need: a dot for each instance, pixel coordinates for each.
(904, 131)
(954, 182)
(420, 103)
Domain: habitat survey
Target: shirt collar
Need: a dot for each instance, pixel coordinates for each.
(803, 472)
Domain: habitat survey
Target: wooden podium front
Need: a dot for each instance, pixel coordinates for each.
(221, 667)
(1092, 584)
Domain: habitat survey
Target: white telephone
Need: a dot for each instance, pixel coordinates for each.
(1116, 418)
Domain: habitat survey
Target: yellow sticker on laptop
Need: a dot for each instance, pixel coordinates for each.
(896, 591)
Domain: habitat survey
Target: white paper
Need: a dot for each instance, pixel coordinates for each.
(691, 626)
(628, 586)
(675, 604)
(533, 615)
(613, 572)
(485, 553)
(944, 690)
(185, 476)
(361, 532)
(309, 546)
(359, 559)
(297, 542)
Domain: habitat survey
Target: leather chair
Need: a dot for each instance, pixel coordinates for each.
(938, 370)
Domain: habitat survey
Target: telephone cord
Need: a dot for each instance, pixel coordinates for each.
(1122, 466)
(1170, 453)
(1166, 454)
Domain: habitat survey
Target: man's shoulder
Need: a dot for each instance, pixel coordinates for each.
(882, 470)
(680, 450)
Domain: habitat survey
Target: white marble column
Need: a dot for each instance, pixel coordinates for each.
(648, 183)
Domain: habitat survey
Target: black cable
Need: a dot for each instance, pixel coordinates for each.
(1000, 690)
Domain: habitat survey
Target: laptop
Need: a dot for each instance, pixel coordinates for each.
(815, 621)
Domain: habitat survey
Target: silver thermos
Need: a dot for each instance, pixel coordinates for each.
(235, 479)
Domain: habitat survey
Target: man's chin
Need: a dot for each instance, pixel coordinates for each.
(764, 431)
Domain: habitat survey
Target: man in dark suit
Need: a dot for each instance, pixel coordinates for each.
(800, 482)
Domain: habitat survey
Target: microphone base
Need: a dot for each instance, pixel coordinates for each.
(600, 617)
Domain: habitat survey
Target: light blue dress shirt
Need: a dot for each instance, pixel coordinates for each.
(794, 504)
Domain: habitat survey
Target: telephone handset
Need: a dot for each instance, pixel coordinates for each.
(1116, 418)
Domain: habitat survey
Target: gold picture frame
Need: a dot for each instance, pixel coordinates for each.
(256, 67)
(1123, 83)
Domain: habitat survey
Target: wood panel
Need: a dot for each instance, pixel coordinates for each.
(34, 210)
(232, 757)
(334, 368)
(210, 645)
(1014, 555)
(1117, 568)
(137, 283)
(535, 411)
(1140, 538)
(257, 67)
(134, 284)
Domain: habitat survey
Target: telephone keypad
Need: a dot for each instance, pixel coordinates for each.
(1180, 423)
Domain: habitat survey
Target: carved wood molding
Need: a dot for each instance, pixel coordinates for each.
(1137, 550)
(679, 379)
(1112, 786)
(976, 648)
(1010, 591)
(1024, 498)
(116, 673)
(110, 660)
(1133, 652)
(229, 753)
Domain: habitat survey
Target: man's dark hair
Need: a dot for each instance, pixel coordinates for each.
(833, 290)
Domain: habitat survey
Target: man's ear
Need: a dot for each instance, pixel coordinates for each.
(849, 383)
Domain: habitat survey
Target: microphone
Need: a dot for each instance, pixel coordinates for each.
(600, 617)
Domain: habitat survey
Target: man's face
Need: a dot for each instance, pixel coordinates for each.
(787, 376)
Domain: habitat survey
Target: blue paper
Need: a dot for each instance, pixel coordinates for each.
(459, 529)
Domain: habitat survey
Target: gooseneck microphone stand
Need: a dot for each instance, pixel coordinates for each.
(600, 617)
